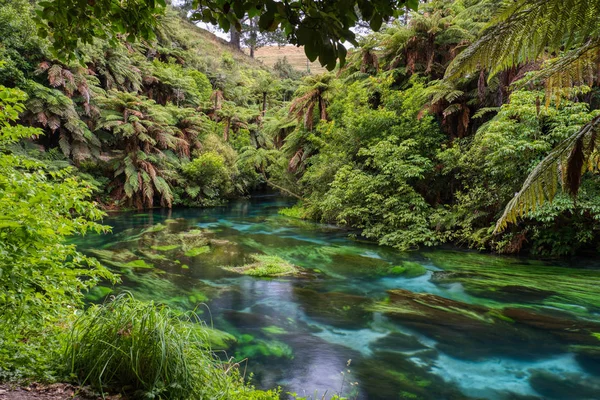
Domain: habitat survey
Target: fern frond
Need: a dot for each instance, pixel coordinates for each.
(566, 161)
(524, 30)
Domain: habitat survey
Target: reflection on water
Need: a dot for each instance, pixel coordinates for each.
(492, 327)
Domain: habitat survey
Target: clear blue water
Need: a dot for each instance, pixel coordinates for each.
(300, 333)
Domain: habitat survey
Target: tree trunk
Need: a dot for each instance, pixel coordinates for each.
(226, 131)
(252, 51)
(235, 38)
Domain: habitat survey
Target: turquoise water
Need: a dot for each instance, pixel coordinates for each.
(490, 328)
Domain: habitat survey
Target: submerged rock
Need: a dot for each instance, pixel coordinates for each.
(515, 280)
(588, 358)
(464, 330)
(564, 386)
(340, 310)
(393, 376)
(408, 269)
(397, 342)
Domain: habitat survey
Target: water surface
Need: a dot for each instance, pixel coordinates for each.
(491, 327)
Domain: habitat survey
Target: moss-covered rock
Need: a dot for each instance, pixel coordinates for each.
(165, 248)
(139, 264)
(264, 348)
(397, 342)
(267, 266)
(393, 376)
(196, 251)
(408, 269)
(274, 330)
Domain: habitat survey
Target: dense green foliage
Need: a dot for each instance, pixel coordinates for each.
(135, 114)
(133, 125)
(41, 276)
(318, 26)
(413, 160)
(386, 146)
(153, 352)
(411, 144)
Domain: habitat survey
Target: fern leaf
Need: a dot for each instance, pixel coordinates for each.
(568, 160)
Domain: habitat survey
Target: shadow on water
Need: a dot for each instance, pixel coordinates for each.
(440, 324)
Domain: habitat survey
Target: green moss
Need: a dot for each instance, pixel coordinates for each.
(409, 269)
(154, 228)
(197, 297)
(513, 280)
(272, 348)
(246, 338)
(267, 266)
(165, 248)
(407, 395)
(217, 339)
(274, 330)
(196, 251)
(296, 211)
(185, 266)
(139, 264)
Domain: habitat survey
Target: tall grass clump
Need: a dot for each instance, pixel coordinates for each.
(149, 351)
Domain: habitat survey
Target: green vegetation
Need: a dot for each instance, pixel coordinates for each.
(471, 123)
(267, 266)
(409, 269)
(196, 251)
(413, 157)
(152, 352)
(41, 276)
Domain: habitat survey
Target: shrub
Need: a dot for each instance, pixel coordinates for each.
(151, 351)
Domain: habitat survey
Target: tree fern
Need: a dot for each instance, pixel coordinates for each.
(527, 31)
(566, 163)
(523, 30)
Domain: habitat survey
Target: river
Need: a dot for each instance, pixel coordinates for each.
(362, 320)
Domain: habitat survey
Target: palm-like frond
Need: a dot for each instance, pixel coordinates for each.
(567, 161)
(524, 29)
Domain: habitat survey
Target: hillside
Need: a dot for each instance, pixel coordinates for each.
(295, 56)
(135, 118)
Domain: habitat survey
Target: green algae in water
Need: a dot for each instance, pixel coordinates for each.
(165, 248)
(506, 279)
(162, 288)
(264, 348)
(409, 269)
(356, 269)
(217, 339)
(274, 330)
(139, 264)
(266, 266)
(196, 251)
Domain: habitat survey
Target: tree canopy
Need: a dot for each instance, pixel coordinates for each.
(321, 27)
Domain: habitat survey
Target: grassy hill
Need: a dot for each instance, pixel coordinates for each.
(295, 56)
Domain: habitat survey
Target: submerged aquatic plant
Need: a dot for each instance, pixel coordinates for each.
(266, 265)
(151, 350)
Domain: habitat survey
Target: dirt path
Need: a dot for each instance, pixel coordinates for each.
(56, 391)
